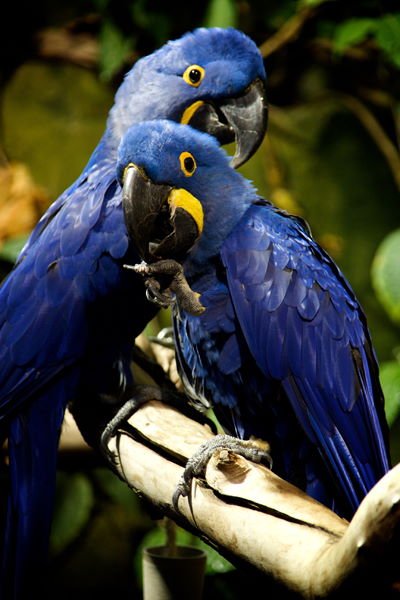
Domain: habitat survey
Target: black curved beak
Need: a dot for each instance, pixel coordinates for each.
(243, 119)
(163, 221)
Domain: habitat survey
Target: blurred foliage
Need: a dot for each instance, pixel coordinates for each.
(384, 31)
(221, 13)
(331, 155)
(74, 503)
(55, 132)
(390, 378)
(386, 281)
(386, 274)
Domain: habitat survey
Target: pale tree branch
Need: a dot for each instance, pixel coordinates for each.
(253, 516)
(289, 31)
(63, 43)
(368, 120)
(376, 131)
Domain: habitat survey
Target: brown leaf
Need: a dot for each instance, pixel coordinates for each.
(22, 201)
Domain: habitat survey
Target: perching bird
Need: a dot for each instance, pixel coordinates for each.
(281, 350)
(69, 311)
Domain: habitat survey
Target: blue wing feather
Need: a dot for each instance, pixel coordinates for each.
(283, 352)
(85, 309)
(53, 324)
(305, 328)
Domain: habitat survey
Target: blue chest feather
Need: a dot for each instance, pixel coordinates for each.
(283, 352)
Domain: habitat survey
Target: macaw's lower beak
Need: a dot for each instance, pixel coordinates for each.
(243, 119)
(163, 222)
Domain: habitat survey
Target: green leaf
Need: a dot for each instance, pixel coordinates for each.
(221, 13)
(352, 32)
(388, 37)
(386, 274)
(114, 48)
(390, 381)
(74, 502)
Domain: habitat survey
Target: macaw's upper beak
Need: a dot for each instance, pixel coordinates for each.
(163, 221)
(242, 119)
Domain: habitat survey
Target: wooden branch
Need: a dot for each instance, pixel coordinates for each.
(384, 144)
(246, 510)
(376, 131)
(289, 31)
(325, 46)
(63, 43)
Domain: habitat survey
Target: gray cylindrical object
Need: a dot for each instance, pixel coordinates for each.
(177, 577)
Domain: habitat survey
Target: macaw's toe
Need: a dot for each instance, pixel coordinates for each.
(165, 283)
(252, 450)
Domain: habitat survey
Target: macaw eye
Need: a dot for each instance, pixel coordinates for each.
(194, 75)
(188, 164)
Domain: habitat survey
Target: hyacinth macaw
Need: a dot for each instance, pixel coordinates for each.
(279, 345)
(69, 311)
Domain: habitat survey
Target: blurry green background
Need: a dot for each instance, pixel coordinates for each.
(331, 155)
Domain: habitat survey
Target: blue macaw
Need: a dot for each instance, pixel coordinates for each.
(279, 345)
(69, 310)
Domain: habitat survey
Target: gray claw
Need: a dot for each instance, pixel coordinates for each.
(197, 463)
(164, 338)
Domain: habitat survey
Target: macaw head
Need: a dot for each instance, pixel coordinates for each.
(179, 191)
(212, 79)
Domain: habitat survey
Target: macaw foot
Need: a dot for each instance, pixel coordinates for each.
(140, 395)
(164, 338)
(165, 281)
(195, 466)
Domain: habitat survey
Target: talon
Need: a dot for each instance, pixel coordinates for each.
(163, 293)
(161, 300)
(141, 268)
(164, 338)
(153, 294)
(182, 489)
(105, 438)
(195, 466)
(140, 395)
(123, 414)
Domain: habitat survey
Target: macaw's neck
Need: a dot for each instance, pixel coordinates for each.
(142, 96)
(106, 150)
(145, 94)
(223, 209)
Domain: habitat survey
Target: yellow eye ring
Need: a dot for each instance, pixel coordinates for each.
(194, 75)
(188, 164)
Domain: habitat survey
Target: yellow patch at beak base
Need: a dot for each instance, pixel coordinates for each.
(189, 112)
(185, 200)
